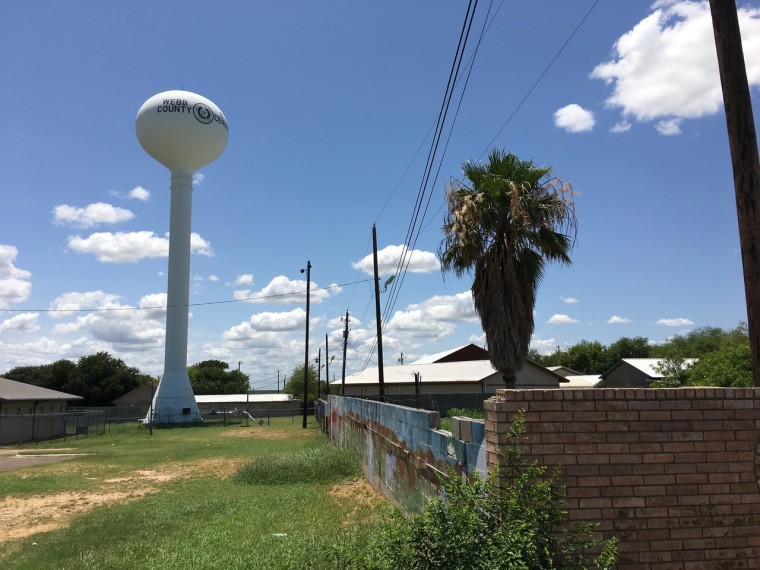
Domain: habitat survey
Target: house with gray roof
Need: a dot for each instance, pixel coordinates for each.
(635, 373)
(31, 413)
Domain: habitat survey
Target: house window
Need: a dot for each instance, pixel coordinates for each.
(18, 412)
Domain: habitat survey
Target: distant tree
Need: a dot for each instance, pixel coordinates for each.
(102, 378)
(65, 376)
(294, 385)
(35, 375)
(504, 228)
(675, 371)
(702, 341)
(99, 378)
(626, 347)
(213, 377)
(586, 357)
(730, 367)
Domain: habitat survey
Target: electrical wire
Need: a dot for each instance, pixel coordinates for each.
(204, 304)
(540, 77)
(432, 153)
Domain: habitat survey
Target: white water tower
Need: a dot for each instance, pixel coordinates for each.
(184, 132)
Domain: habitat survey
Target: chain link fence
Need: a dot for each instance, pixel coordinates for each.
(34, 428)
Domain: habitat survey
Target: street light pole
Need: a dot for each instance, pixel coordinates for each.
(306, 349)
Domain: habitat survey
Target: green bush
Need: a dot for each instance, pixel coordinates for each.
(481, 525)
(323, 463)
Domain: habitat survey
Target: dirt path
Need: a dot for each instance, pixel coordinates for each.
(24, 516)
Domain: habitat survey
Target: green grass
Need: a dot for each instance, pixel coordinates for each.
(323, 463)
(467, 413)
(200, 521)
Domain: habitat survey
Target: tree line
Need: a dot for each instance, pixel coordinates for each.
(723, 357)
(100, 378)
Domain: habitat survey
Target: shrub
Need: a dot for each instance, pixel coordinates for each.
(481, 525)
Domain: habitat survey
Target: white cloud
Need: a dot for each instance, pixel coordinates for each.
(285, 291)
(543, 345)
(477, 339)
(246, 279)
(24, 322)
(414, 324)
(213, 278)
(15, 286)
(432, 319)
(91, 215)
(677, 322)
(111, 322)
(242, 294)
(198, 178)
(669, 127)
(665, 68)
(456, 308)
(621, 127)
(130, 247)
(68, 303)
(574, 119)
(615, 320)
(569, 300)
(388, 260)
(139, 193)
(266, 322)
(560, 319)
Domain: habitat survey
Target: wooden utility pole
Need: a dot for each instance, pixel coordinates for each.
(327, 366)
(742, 140)
(319, 371)
(345, 346)
(378, 319)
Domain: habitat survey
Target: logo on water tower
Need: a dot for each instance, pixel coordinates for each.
(203, 113)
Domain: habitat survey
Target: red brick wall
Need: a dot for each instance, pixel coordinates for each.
(672, 473)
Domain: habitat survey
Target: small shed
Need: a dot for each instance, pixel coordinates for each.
(29, 412)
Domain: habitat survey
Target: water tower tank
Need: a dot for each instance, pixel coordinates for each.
(183, 131)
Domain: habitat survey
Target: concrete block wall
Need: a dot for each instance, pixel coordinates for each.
(403, 451)
(672, 473)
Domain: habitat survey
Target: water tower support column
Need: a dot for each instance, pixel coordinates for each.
(175, 394)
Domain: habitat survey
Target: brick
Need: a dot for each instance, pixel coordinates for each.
(661, 501)
(659, 458)
(624, 469)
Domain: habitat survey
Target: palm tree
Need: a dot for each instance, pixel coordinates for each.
(504, 228)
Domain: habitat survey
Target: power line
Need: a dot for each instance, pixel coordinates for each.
(540, 77)
(207, 303)
(405, 257)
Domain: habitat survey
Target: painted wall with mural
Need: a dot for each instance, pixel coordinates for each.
(403, 450)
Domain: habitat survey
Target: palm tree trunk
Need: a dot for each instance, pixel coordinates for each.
(510, 379)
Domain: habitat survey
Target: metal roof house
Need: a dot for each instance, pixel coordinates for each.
(634, 373)
(463, 370)
(21, 403)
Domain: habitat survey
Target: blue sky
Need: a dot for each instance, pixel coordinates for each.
(328, 104)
